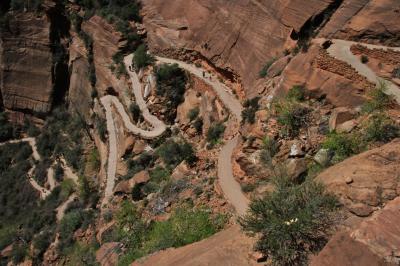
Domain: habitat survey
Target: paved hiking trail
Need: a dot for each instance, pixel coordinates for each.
(158, 127)
(44, 192)
(229, 185)
(227, 181)
(340, 49)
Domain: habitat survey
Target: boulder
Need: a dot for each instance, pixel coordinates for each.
(339, 116)
(107, 254)
(277, 67)
(347, 126)
(296, 167)
(373, 241)
(181, 171)
(323, 157)
(374, 176)
(125, 186)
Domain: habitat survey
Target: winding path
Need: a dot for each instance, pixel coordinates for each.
(340, 49)
(229, 185)
(158, 127)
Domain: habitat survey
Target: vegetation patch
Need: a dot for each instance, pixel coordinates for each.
(250, 108)
(264, 71)
(215, 132)
(171, 84)
(291, 222)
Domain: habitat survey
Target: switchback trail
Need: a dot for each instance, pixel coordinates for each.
(107, 101)
(340, 49)
(227, 181)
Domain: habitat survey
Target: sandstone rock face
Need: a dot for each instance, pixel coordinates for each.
(374, 21)
(375, 179)
(79, 87)
(229, 247)
(325, 76)
(26, 81)
(374, 241)
(106, 42)
(223, 32)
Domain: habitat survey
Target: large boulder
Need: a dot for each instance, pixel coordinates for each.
(126, 186)
(374, 241)
(366, 181)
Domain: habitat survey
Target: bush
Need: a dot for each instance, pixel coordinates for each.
(396, 72)
(171, 84)
(250, 108)
(215, 132)
(135, 111)
(101, 127)
(42, 241)
(193, 113)
(198, 125)
(364, 59)
(264, 71)
(6, 129)
(173, 153)
(291, 115)
(296, 93)
(141, 58)
(379, 99)
(270, 148)
(291, 221)
(185, 226)
(343, 145)
(381, 128)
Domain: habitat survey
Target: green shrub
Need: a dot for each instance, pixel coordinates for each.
(291, 115)
(364, 59)
(396, 72)
(251, 106)
(101, 127)
(185, 226)
(292, 221)
(141, 58)
(269, 149)
(215, 132)
(381, 128)
(135, 111)
(42, 241)
(171, 84)
(19, 252)
(343, 145)
(81, 255)
(6, 129)
(173, 153)
(296, 93)
(193, 113)
(198, 125)
(379, 99)
(264, 71)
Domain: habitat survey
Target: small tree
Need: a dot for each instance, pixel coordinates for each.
(291, 221)
(215, 132)
(141, 58)
(379, 99)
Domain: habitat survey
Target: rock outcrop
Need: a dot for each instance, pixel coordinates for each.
(222, 32)
(229, 247)
(367, 181)
(374, 21)
(106, 43)
(374, 241)
(80, 89)
(326, 77)
(26, 80)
